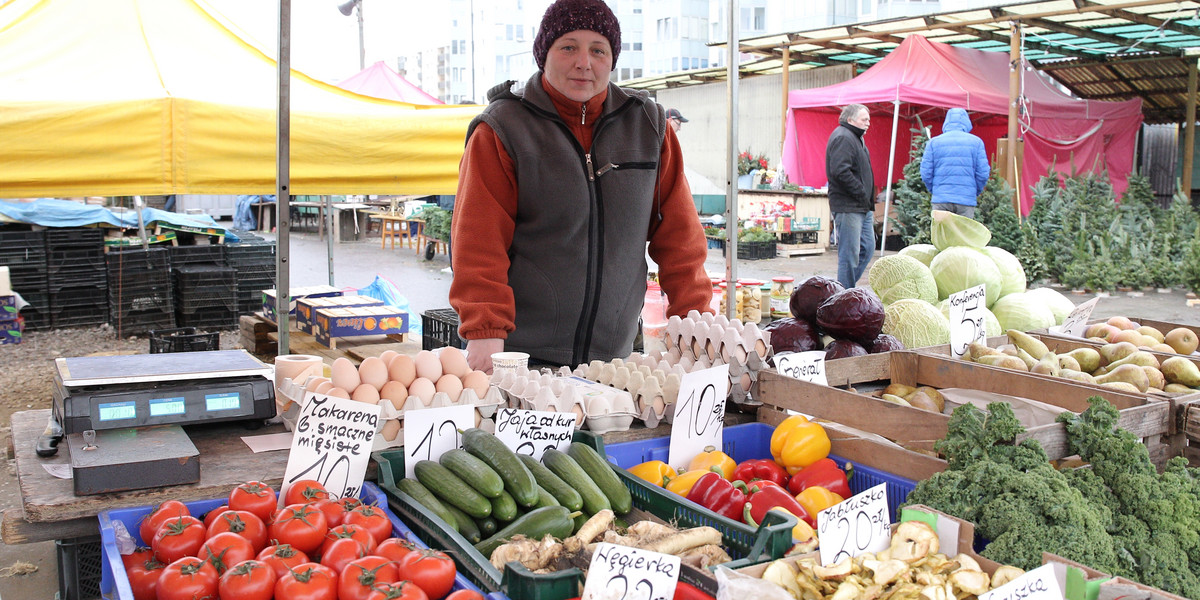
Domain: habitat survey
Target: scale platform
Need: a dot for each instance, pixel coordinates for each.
(117, 460)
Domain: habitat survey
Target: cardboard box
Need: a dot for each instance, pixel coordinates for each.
(8, 308)
(1105, 582)
(306, 307)
(316, 291)
(12, 332)
(359, 321)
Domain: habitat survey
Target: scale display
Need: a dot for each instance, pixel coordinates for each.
(117, 411)
(228, 401)
(161, 407)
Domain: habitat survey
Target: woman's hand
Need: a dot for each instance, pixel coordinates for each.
(479, 353)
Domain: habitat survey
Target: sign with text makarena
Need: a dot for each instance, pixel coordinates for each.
(332, 444)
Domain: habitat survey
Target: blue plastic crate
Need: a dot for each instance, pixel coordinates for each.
(114, 584)
(753, 440)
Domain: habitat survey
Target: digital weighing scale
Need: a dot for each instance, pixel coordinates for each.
(122, 415)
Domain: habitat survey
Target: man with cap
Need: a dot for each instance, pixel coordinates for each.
(676, 119)
(561, 185)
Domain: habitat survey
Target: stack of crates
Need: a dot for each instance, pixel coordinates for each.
(24, 253)
(76, 276)
(253, 261)
(205, 287)
(140, 293)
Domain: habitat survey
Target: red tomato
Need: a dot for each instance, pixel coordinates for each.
(177, 538)
(248, 580)
(373, 519)
(349, 531)
(308, 581)
(212, 515)
(334, 512)
(342, 552)
(305, 491)
(300, 525)
(349, 503)
(139, 555)
(281, 558)
(394, 549)
(256, 497)
(143, 574)
(465, 595)
(359, 578)
(243, 523)
(431, 570)
(186, 579)
(401, 590)
(225, 550)
(163, 512)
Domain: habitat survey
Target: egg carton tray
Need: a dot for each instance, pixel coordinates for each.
(600, 409)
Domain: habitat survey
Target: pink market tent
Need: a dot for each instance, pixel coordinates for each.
(920, 79)
(380, 81)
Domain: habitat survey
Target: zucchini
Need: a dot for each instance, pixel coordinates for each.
(473, 471)
(535, 524)
(450, 489)
(504, 508)
(602, 474)
(466, 525)
(425, 498)
(487, 527)
(518, 481)
(546, 498)
(547, 480)
(566, 468)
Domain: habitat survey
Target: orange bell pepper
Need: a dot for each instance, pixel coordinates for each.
(798, 442)
(682, 484)
(816, 499)
(656, 472)
(711, 457)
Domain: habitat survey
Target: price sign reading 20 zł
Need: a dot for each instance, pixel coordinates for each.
(854, 526)
(699, 417)
(966, 319)
(431, 432)
(331, 444)
(623, 573)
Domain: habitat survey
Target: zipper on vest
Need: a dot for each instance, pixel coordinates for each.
(583, 115)
(630, 165)
(591, 175)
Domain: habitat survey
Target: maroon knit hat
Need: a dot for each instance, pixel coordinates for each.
(565, 16)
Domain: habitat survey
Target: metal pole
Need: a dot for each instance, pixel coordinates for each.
(362, 49)
(731, 151)
(329, 223)
(1189, 131)
(1014, 96)
(138, 203)
(283, 183)
(887, 190)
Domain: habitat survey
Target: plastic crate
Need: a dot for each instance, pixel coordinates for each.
(79, 568)
(439, 328)
(753, 440)
(183, 339)
(756, 250)
(114, 583)
(770, 541)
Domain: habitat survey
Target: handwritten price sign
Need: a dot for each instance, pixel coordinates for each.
(699, 414)
(623, 573)
(805, 366)
(1076, 323)
(1038, 584)
(855, 526)
(532, 432)
(966, 319)
(332, 444)
(431, 432)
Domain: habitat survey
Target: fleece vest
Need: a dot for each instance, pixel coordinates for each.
(578, 256)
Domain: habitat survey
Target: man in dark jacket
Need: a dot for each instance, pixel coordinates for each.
(955, 166)
(851, 193)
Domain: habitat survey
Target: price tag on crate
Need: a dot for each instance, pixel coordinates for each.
(1076, 323)
(630, 574)
(854, 526)
(1038, 584)
(805, 366)
(533, 432)
(966, 319)
(431, 432)
(331, 444)
(699, 414)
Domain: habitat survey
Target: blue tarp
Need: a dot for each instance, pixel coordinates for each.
(383, 289)
(243, 215)
(51, 212)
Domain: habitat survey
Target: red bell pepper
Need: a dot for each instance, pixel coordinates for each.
(719, 495)
(824, 473)
(765, 495)
(760, 468)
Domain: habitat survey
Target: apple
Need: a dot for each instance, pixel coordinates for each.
(1182, 339)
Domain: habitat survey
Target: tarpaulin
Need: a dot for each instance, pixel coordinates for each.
(380, 81)
(52, 212)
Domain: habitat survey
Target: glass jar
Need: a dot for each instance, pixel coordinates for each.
(752, 300)
(738, 299)
(781, 296)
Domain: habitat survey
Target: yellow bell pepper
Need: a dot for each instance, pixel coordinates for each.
(711, 457)
(682, 484)
(798, 442)
(656, 472)
(816, 499)
(802, 532)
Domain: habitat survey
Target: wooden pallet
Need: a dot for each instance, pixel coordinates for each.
(788, 250)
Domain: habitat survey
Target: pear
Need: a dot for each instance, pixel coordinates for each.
(1122, 386)
(1088, 358)
(976, 349)
(1008, 349)
(1066, 361)
(1113, 352)
(894, 399)
(1122, 322)
(1157, 380)
(1140, 358)
(1152, 332)
(1177, 388)
(1097, 330)
(1079, 376)
(1035, 347)
(933, 394)
(922, 401)
(1131, 374)
(1024, 356)
(1048, 365)
(1178, 369)
(899, 389)
(1005, 361)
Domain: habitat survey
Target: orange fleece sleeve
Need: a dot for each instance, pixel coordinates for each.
(676, 238)
(481, 232)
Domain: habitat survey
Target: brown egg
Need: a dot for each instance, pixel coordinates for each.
(402, 369)
(428, 365)
(373, 371)
(314, 382)
(478, 381)
(454, 362)
(394, 392)
(451, 385)
(365, 392)
(324, 387)
(424, 389)
(390, 430)
(387, 355)
(345, 374)
(338, 392)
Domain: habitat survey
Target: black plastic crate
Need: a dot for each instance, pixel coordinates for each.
(198, 255)
(76, 316)
(97, 279)
(183, 339)
(137, 323)
(80, 567)
(74, 237)
(439, 328)
(208, 318)
(196, 302)
(139, 260)
(756, 250)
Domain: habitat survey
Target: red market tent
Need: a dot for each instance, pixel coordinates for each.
(919, 80)
(380, 81)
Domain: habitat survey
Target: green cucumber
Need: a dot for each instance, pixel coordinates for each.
(475, 472)
(452, 490)
(546, 498)
(606, 479)
(518, 481)
(504, 508)
(535, 524)
(547, 480)
(566, 468)
(466, 525)
(425, 498)
(578, 522)
(487, 527)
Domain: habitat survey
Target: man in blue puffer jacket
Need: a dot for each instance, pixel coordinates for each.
(955, 166)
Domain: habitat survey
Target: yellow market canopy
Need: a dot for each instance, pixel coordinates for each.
(140, 97)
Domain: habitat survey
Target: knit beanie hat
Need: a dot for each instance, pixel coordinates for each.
(565, 16)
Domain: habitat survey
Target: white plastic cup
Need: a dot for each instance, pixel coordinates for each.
(509, 361)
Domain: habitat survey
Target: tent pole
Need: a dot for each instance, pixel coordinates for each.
(731, 224)
(1014, 91)
(1189, 133)
(283, 184)
(329, 224)
(784, 84)
(887, 185)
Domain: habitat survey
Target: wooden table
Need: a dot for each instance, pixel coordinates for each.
(394, 226)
